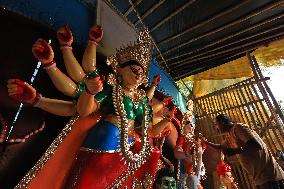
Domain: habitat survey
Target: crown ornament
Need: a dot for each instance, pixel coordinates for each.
(140, 51)
(188, 118)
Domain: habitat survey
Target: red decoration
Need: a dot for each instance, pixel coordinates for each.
(222, 168)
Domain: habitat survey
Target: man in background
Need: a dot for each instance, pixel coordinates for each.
(253, 153)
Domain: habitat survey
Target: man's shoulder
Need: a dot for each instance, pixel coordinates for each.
(241, 125)
(240, 128)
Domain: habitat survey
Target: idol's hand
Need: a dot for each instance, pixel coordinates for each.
(64, 36)
(21, 91)
(156, 80)
(43, 51)
(96, 33)
(94, 85)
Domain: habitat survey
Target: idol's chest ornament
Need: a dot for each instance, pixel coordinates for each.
(133, 160)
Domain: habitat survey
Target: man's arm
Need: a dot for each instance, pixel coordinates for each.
(251, 144)
(248, 137)
(213, 145)
(250, 140)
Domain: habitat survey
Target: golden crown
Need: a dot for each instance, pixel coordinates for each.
(140, 51)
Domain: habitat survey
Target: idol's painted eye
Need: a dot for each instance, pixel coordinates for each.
(137, 72)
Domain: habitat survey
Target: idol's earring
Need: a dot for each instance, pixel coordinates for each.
(145, 80)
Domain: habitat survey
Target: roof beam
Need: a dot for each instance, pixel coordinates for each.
(202, 69)
(219, 47)
(242, 50)
(149, 11)
(253, 43)
(205, 68)
(217, 16)
(172, 15)
(114, 8)
(255, 13)
(131, 8)
(226, 38)
(230, 44)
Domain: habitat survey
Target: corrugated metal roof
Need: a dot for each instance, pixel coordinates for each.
(196, 35)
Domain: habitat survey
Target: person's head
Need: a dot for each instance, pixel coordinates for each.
(131, 73)
(223, 122)
(189, 127)
(165, 179)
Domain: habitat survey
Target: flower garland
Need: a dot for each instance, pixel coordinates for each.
(133, 161)
(188, 118)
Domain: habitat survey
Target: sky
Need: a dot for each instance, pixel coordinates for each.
(276, 82)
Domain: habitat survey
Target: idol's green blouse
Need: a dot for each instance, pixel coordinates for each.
(133, 113)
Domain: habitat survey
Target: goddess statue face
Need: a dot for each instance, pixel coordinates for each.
(165, 179)
(189, 128)
(228, 178)
(132, 75)
(168, 183)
